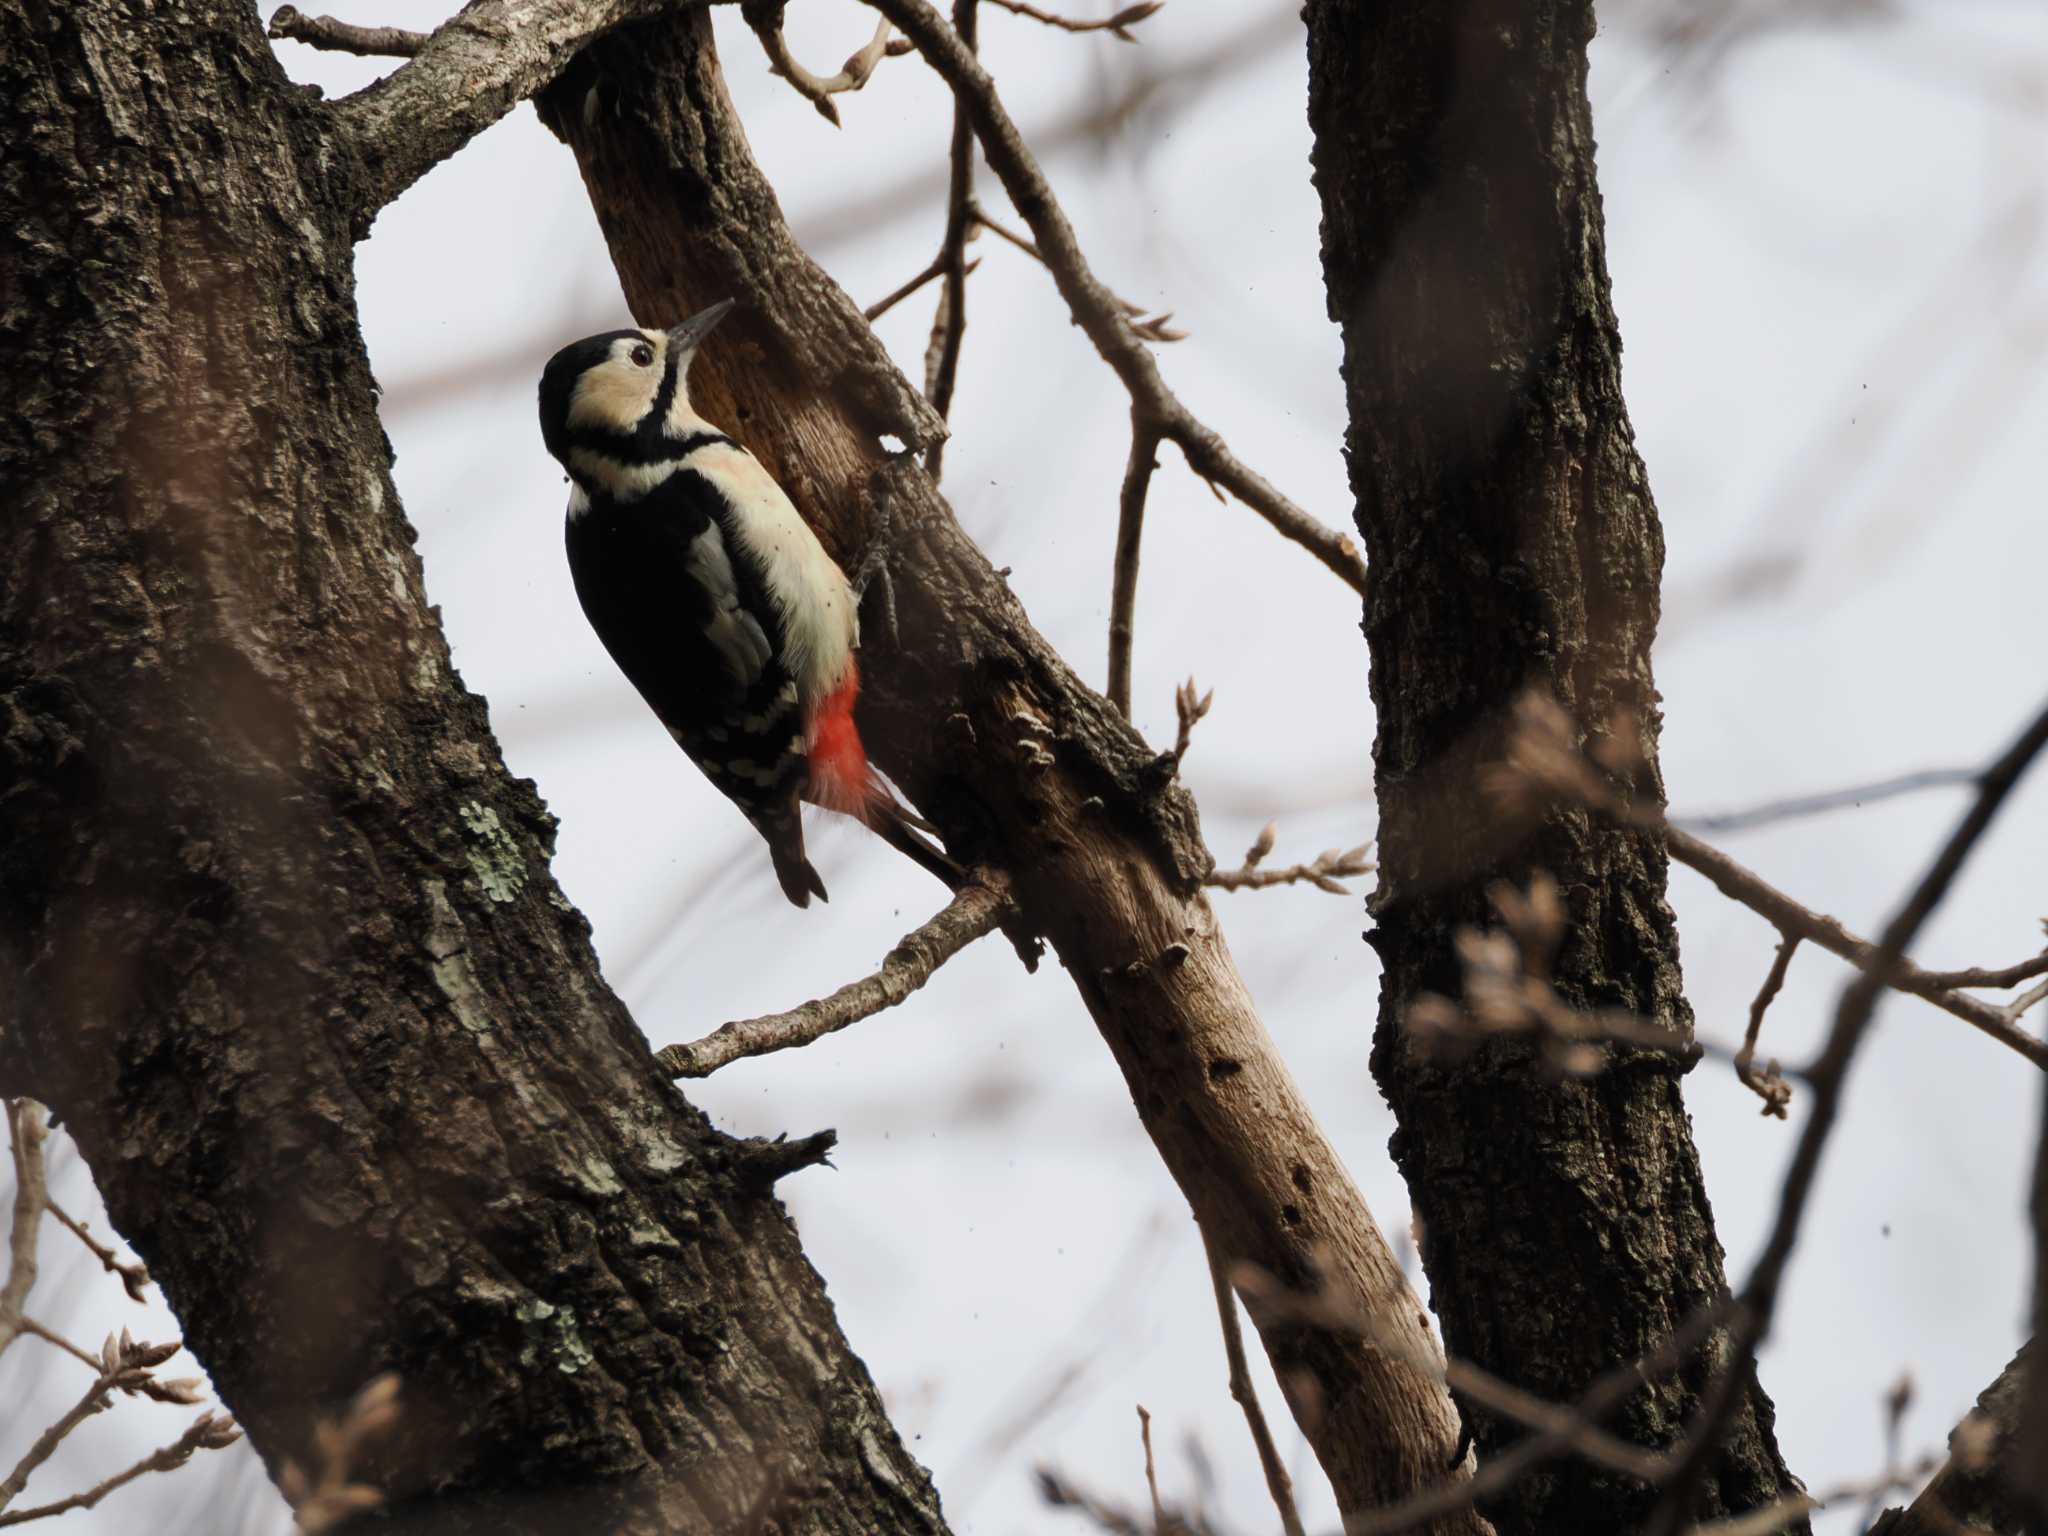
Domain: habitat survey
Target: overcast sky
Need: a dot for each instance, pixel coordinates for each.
(1826, 246)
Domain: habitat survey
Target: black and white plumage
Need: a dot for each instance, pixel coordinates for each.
(712, 594)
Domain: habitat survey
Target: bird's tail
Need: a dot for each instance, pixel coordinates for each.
(842, 779)
(785, 836)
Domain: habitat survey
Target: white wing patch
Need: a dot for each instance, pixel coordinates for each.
(820, 622)
(741, 642)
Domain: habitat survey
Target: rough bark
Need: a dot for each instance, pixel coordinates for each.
(1022, 767)
(1513, 543)
(278, 938)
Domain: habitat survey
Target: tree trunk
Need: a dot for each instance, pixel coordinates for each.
(281, 945)
(1513, 543)
(1020, 764)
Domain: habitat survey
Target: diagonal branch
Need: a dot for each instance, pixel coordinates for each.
(949, 321)
(977, 909)
(1278, 1484)
(1094, 308)
(1828, 1078)
(1794, 920)
(468, 73)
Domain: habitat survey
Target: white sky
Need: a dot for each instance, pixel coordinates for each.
(1826, 250)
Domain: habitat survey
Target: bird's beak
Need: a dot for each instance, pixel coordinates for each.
(684, 338)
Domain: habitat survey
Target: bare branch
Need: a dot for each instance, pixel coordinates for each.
(1546, 1442)
(896, 296)
(1543, 765)
(1094, 308)
(1116, 25)
(1769, 1084)
(1790, 918)
(765, 17)
(978, 908)
(466, 75)
(134, 1277)
(1328, 867)
(1278, 1484)
(1151, 1469)
(208, 1432)
(332, 36)
(1827, 1078)
(949, 320)
(26, 1131)
(1123, 585)
(1149, 326)
(1797, 806)
(1981, 976)
(125, 1366)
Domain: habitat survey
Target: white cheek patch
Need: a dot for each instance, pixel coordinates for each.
(822, 626)
(618, 392)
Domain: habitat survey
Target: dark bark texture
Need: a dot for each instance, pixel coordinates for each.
(278, 938)
(1513, 544)
(1021, 765)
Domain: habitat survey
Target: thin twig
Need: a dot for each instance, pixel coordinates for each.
(134, 1277)
(332, 1497)
(1502, 1471)
(1129, 16)
(1278, 1484)
(1769, 1084)
(978, 908)
(1123, 584)
(1827, 1079)
(765, 17)
(1329, 867)
(26, 1132)
(50, 1336)
(1094, 308)
(883, 305)
(1190, 708)
(208, 1432)
(1794, 807)
(1983, 976)
(1769, 1519)
(1148, 325)
(1151, 1469)
(949, 320)
(332, 36)
(1789, 917)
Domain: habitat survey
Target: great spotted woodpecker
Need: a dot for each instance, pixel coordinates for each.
(713, 596)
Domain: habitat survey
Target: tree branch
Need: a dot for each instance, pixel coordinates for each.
(332, 36)
(27, 1129)
(977, 909)
(1828, 1078)
(1278, 1484)
(1123, 585)
(949, 320)
(1116, 25)
(1979, 1487)
(468, 73)
(1793, 920)
(208, 1432)
(1094, 308)
(765, 17)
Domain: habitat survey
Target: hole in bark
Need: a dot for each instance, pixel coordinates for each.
(1291, 1214)
(1223, 1067)
(1301, 1178)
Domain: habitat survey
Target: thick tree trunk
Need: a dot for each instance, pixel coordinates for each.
(1513, 543)
(280, 941)
(1021, 765)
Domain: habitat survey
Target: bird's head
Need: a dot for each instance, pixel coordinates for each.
(620, 396)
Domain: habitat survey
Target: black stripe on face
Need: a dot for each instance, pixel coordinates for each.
(644, 446)
(665, 396)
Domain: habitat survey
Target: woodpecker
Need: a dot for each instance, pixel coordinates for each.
(713, 595)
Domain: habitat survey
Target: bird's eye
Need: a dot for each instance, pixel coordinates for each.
(643, 355)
